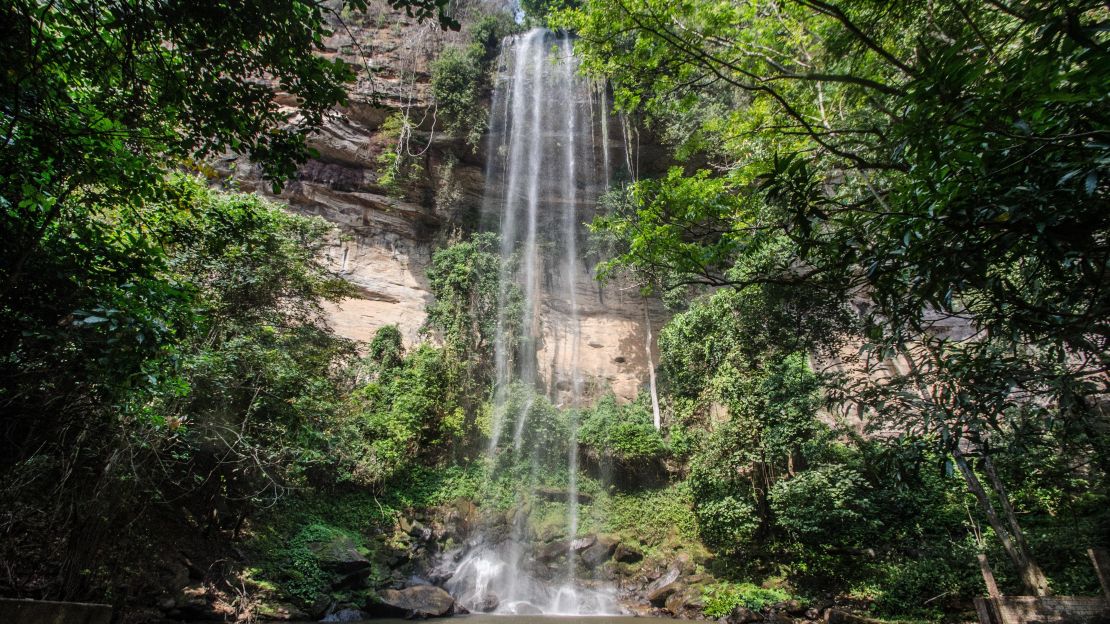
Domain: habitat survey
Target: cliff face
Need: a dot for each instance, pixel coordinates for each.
(386, 234)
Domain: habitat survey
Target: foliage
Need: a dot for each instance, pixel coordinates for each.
(537, 11)
(206, 366)
(406, 414)
(457, 83)
(386, 352)
(624, 433)
(821, 501)
(659, 518)
(533, 431)
(293, 565)
(397, 165)
(939, 160)
(722, 598)
(472, 299)
(461, 78)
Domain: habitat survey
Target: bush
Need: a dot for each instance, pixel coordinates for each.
(625, 433)
(727, 524)
(461, 77)
(823, 506)
(386, 351)
(543, 429)
(406, 414)
(722, 598)
(457, 84)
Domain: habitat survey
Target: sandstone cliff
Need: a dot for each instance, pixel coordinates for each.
(385, 236)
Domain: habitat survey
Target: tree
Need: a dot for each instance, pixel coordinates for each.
(100, 102)
(940, 160)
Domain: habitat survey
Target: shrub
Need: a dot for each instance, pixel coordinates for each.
(722, 598)
(386, 351)
(461, 77)
(625, 433)
(828, 504)
(457, 84)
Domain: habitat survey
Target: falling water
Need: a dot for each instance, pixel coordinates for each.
(548, 162)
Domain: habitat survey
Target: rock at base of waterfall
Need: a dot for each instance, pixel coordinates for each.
(668, 577)
(345, 615)
(340, 556)
(659, 595)
(422, 601)
(626, 553)
(686, 603)
(582, 543)
(600, 552)
(487, 603)
(743, 615)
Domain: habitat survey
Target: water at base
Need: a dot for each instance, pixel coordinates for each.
(485, 619)
(486, 572)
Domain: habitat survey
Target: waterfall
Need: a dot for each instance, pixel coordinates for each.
(549, 161)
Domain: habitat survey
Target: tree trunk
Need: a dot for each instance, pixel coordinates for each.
(1011, 537)
(656, 418)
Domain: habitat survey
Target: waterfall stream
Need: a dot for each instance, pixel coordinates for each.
(548, 163)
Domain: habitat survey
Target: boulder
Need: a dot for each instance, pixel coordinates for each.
(686, 603)
(422, 601)
(345, 615)
(582, 543)
(683, 563)
(667, 578)
(676, 602)
(551, 551)
(778, 618)
(659, 595)
(420, 532)
(487, 603)
(743, 615)
(626, 553)
(599, 552)
(793, 607)
(341, 557)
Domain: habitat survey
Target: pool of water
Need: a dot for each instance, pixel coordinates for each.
(484, 619)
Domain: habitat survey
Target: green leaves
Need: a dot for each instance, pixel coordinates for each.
(461, 78)
(624, 433)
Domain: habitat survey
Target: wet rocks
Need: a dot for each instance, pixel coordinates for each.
(793, 607)
(658, 594)
(743, 615)
(345, 615)
(340, 556)
(422, 601)
(686, 602)
(582, 543)
(627, 553)
(600, 552)
(487, 603)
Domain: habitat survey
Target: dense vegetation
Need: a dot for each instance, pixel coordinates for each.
(917, 191)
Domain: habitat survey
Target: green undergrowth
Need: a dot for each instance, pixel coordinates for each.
(660, 519)
(281, 536)
(722, 598)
